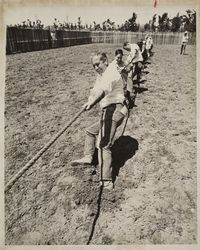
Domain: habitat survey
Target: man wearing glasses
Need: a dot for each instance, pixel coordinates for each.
(108, 90)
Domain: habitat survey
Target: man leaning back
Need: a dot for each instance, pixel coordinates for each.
(108, 90)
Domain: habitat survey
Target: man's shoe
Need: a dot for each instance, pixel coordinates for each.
(107, 184)
(86, 160)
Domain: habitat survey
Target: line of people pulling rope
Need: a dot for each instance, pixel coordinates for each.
(115, 90)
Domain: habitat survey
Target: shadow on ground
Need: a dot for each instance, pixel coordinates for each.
(140, 90)
(123, 149)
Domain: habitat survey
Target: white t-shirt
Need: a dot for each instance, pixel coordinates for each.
(149, 43)
(111, 83)
(135, 54)
(185, 39)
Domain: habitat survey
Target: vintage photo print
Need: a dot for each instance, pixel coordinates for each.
(99, 124)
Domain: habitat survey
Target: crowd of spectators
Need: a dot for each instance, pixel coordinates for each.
(28, 24)
(57, 25)
(157, 23)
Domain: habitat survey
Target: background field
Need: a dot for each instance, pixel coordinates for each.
(154, 200)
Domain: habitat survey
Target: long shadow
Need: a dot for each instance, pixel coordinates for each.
(147, 62)
(152, 53)
(136, 83)
(97, 215)
(123, 149)
(142, 81)
(139, 89)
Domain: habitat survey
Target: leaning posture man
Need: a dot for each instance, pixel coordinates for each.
(108, 90)
(134, 59)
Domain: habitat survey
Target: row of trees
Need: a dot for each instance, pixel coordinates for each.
(163, 23)
(158, 23)
(178, 23)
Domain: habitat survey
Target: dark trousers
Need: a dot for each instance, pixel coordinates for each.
(183, 47)
(103, 134)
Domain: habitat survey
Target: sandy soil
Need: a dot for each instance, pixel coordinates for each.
(154, 199)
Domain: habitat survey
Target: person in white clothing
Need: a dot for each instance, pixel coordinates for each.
(151, 44)
(184, 42)
(108, 91)
(134, 60)
(127, 83)
(149, 41)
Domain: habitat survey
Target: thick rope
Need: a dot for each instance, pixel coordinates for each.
(100, 147)
(124, 128)
(39, 154)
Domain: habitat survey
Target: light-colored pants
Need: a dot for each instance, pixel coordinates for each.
(105, 131)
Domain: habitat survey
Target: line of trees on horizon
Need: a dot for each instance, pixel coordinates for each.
(158, 23)
(178, 23)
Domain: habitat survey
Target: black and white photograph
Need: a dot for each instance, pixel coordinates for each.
(100, 123)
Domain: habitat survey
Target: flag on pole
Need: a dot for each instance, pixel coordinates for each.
(154, 3)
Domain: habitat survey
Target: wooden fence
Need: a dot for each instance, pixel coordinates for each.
(24, 40)
(133, 37)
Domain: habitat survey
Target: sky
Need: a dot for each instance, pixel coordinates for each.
(88, 14)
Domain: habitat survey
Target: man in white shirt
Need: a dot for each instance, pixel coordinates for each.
(134, 60)
(108, 91)
(135, 54)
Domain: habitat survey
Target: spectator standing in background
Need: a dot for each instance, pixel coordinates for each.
(184, 42)
(149, 44)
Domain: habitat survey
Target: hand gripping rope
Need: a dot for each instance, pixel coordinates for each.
(40, 153)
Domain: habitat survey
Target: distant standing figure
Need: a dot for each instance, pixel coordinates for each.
(151, 41)
(149, 44)
(184, 42)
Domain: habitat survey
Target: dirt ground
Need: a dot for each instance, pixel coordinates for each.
(155, 194)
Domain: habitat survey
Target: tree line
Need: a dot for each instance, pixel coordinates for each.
(157, 23)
